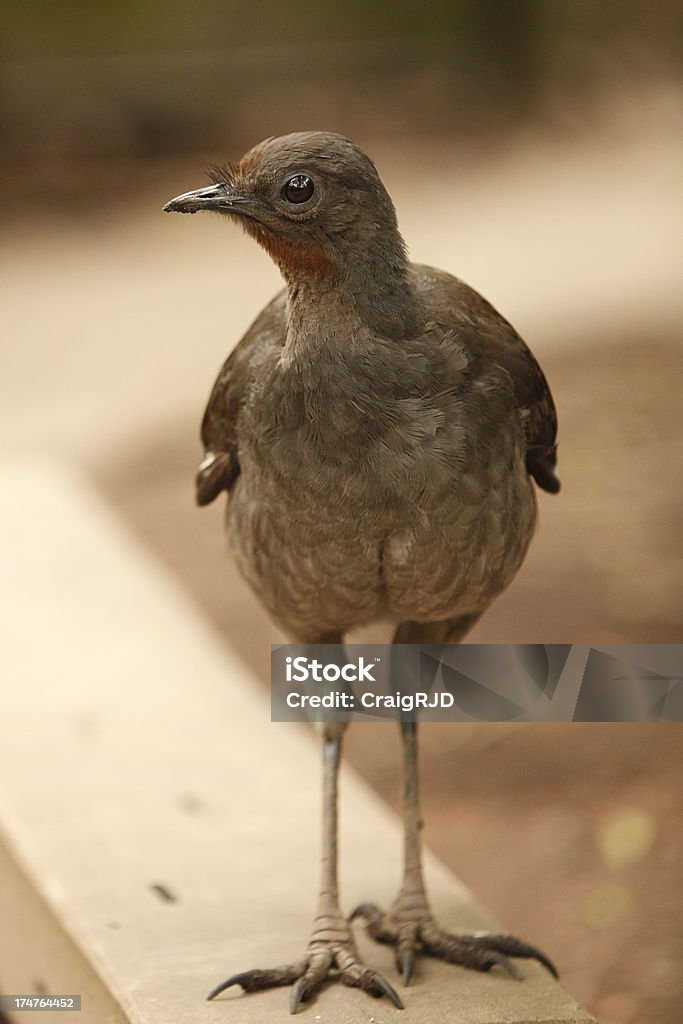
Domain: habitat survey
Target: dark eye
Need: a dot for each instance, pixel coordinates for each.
(298, 189)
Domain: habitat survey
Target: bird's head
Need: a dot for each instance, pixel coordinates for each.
(313, 200)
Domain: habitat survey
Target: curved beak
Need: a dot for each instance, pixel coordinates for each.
(213, 197)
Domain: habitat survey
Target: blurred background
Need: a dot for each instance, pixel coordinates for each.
(534, 149)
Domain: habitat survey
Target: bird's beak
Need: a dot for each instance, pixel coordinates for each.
(221, 198)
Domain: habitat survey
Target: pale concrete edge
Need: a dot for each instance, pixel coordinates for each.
(31, 917)
(26, 858)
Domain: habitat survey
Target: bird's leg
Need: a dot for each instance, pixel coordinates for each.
(331, 946)
(409, 924)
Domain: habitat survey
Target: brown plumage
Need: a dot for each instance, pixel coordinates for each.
(377, 430)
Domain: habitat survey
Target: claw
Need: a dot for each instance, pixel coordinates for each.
(254, 981)
(296, 996)
(507, 965)
(515, 947)
(388, 990)
(234, 979)
(546, 961)
(407, 966)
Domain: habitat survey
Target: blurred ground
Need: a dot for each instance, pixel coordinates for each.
(116, 321)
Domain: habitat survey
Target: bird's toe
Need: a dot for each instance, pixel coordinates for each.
(481, 952)
(307, 976)
(412, 930)
(258, 979)
(378, 924)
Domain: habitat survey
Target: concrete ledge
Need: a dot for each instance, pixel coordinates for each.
(159, 832)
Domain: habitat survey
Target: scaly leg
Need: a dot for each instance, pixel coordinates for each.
(331, 945)
(409, 924)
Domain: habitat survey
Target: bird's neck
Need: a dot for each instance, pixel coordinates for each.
(324, 310)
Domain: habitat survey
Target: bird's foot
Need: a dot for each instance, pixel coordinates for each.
(332, 954)
(411, 928)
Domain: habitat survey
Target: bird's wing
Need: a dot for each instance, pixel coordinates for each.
(220, 466)
(490, 339)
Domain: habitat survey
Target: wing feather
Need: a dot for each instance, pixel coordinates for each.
(489, 340)
(220, 466)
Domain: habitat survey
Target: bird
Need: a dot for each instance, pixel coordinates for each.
(379, 431)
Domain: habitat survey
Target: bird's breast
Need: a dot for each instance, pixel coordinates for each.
(359, 439)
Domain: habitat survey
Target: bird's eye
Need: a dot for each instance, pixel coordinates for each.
(298, 189)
